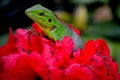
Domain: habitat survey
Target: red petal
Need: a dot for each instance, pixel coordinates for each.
(37, 28)
(88, 52)
(38, 64)
(13, 71)
(103, 48)
(78, 72)
(28, 40)
(52, 74)
(9, 48)
(63, 51)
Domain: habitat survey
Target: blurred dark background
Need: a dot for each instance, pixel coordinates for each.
(12, 13)
(94, 18)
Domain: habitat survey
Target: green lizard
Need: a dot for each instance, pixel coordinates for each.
(53, 27)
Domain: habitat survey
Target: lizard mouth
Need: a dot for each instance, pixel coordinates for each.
(42, 27)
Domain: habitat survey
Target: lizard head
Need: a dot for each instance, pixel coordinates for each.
(43, 16)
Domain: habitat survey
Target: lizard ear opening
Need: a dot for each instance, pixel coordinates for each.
(49, 20)
(53, 27)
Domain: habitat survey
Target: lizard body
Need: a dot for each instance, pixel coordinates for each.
(51, 25)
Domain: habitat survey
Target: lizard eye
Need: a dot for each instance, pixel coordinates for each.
(49, 20)
(41, 14)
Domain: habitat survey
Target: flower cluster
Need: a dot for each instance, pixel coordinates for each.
(29, 55)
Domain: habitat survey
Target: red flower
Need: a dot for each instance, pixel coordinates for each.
(30, 56)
